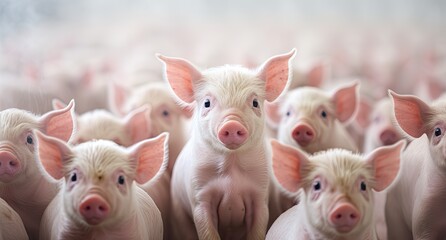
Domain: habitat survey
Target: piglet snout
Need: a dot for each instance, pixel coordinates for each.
(344, 217)
(303, 134)
(94, 209)
(233, 134)
(9, 165)
(388, 137)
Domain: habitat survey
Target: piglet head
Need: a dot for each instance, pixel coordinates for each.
(415, 118)
(229, 99)
(99, 176)
(17, 139)
(336, 184)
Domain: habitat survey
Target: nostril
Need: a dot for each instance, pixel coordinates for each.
(352, 216)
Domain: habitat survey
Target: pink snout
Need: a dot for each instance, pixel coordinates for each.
(303, 134)
(233, 134)
(94, 209)
(9, 165)
(344, 217)
(388, 137)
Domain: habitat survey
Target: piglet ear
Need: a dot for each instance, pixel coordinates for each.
(364, 111)
(277, 74)
(288, 163)
(52, 153)
(59, 123)
(346, 101)
(138, 124)
(151, 157)
(181, 75)
(272, 112)
(410, 113)
(385, 162)
(316, 75)
(117, 95)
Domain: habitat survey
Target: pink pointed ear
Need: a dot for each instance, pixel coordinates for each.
(59, 123)
(272, 114)
(364, 111)
(276, 72)
(288, 163)
(58, 104)
(410, 113)
(52, 154)
(316, 75)
(117, 95)
(346, 101)
(386, 164)
(151, 157)
(181, 75)
(138, 123)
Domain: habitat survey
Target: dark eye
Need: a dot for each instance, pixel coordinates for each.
(317, 185)
(165, 113)
(363, 186)
(207, 103)
(288, 113)
(121, 180)
(29, 139)
(74, 177)
(437, 132)
(324, 114)
(255, 103)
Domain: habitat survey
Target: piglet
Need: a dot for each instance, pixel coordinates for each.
(102, 124)
(11, 225)
(336, 198)
(99, 197)
(314, 120)
(415, 204)
(221, 177)
(22, 185)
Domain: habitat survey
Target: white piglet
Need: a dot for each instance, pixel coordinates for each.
(221, 177)
(313, 120)
(415, 204)
(335, 186)
(22, 185)
(99, 198)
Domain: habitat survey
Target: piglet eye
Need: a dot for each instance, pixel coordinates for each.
(363, 186)
(207, 103)
(317, 186)
(165, 113)
(121, 180)
(324, 114)
(74, 177)
(255, 103)
(288, 113)
(437, 132)
(29, 139)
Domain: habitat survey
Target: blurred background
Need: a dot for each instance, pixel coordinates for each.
(73, 49)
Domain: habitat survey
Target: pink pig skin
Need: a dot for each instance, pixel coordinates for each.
(11, 225)
(314, 120)
(415, 204)
(99, 197)
(22, 185)
(221, 177)
(335, 187)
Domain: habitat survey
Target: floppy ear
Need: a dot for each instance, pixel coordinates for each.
(386, 164)
(182, 76)
(288, 163)
(346, 100)
(277, 74)
(59, 123)
(53, 153)
(151, 157)
(410, 113)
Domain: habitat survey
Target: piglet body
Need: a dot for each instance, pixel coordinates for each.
(11, 225)
(221, 178)
(99, 198)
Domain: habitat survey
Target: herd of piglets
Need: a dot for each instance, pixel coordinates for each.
(229, 152)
